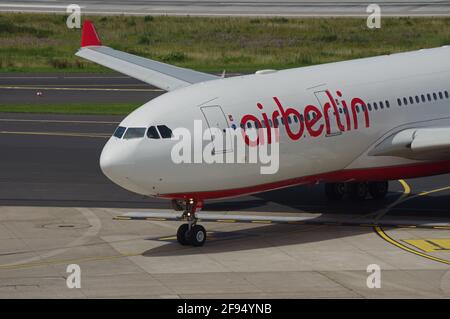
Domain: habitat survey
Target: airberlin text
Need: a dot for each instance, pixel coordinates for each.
(313, 121)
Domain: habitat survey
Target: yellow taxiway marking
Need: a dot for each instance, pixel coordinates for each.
(56, 134)
(431, 244)
(261, 221)
(59, 121)
(406, 187)
(434, 191)
(417, 243)
(225, 220)
(75, 89)
(383, 235)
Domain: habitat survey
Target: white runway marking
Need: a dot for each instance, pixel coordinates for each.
(44, 88)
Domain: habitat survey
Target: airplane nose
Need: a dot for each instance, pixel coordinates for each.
(113, 161)
(116, 162)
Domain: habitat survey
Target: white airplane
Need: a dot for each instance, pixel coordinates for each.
(353, 125)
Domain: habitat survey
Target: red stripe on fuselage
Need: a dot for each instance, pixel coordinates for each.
(360, 174)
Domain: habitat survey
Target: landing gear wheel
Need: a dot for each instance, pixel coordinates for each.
(197, 235)
(335, 191)
(182, 234)
(357, 190)
(178, 205)
(378, 190)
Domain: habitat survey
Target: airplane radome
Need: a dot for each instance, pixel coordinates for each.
(353, 125)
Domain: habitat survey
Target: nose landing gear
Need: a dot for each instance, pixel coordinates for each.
(191, 233)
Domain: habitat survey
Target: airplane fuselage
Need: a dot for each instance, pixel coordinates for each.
(329, 118)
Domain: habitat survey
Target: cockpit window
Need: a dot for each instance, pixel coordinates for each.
(152, 132)
(134, 132)
(119, 131)
(165, 131)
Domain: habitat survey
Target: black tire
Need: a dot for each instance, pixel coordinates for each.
(182, 235)
(357, 190)
(335, 191)
(378, 190)
(197, 236)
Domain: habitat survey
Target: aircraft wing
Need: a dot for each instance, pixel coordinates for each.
(416, 143)
(162, 75)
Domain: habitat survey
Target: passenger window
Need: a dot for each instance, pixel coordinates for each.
(405, 101)
(399, 102)
(434, 96)
(134, 132)
(375, 106)
(270, 123)
(446, 94)
(369, 106)
(289, 120)
(381, 105)
(275, 122)
(440, 95)
(295, 119)
(164, 131)
(411, 100)
(423, 98)
(417, 99)
(388, 105)
(119, 131)
(249, 124)
(429, 97)
(152, 132)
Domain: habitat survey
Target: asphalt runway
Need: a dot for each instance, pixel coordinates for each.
(236, 7)
(57, 208)
(57, 88)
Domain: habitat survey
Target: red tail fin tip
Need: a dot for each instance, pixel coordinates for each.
(88, 34)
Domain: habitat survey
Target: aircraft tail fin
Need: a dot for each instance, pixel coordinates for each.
(89, 35)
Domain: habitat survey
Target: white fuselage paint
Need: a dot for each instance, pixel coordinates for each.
(144, 165)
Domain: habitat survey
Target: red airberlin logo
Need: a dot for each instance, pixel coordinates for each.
(314, 121)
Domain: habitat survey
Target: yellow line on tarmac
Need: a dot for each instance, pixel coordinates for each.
(434, 191)
(75, 89)
(56, 134)
(383, 235)
(406, 187)
(404, 198)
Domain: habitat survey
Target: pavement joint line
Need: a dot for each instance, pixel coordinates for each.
(67, 261)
